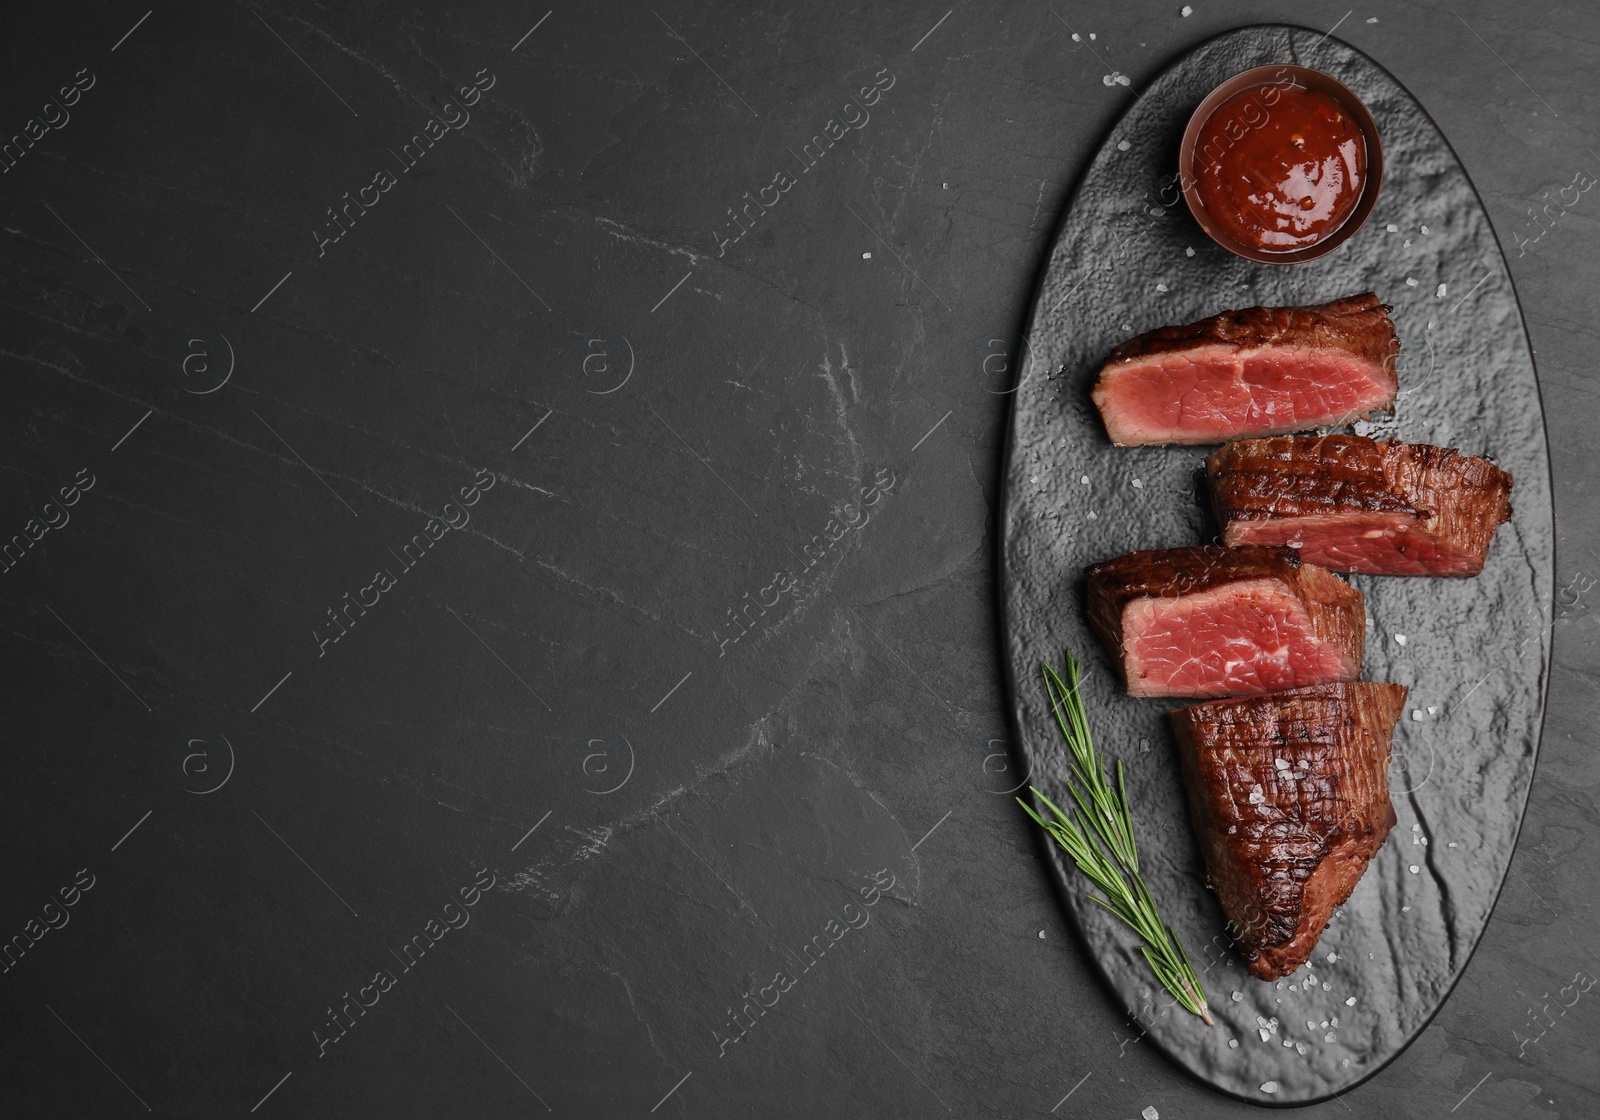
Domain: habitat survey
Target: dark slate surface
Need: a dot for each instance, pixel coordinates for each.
(252, 819)
(1472, 652)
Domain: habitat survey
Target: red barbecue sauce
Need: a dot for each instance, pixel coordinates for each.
(1280, 168)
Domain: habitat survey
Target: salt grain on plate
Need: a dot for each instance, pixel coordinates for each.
(1416, 715)
(866, 256)
(1351, 1002)
(1138, 484)
(1084, 480)
(1332, 957)
(1150, 1113)
(1189, 252)
(1440, 293)
(1329, 1037)
(1187, 11)
(1392, 228)
(1413, 869)
(1411, 281)
(1399, 639)
(1233, 1044)
(1269, 1086)
(1161, 287)
(1264, 1034)
(1091, 35)
(1237, 996)
(1424, 231)
(1075, 38)
(1327, 987)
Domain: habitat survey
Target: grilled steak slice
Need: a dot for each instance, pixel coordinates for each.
(1261, 371)
(1215, 621)
(1352, 504)
(1289, 794)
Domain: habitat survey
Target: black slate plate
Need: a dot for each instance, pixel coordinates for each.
(1474, 652)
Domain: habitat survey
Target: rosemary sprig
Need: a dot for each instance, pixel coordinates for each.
(1099, 838)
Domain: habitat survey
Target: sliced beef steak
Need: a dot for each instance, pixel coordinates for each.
(1289, 794)
(1352, 504)
(1212, 621)
(1257, 372)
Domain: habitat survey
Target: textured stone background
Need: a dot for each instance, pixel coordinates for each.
(700, 808)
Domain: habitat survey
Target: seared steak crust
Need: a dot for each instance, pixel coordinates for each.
(1289, 795)
(1359, 324)
(1424, 509)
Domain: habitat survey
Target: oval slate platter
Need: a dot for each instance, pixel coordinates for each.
(1474, 652)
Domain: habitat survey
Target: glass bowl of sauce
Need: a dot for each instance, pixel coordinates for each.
(1281, 164)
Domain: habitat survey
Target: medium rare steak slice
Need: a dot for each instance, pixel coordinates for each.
(1289, 795)
(1352, 504)
(1257, 372)
(1212, 621)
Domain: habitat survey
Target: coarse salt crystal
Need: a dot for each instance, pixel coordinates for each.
(1392, 228)
(1189, 252)
(1440, 292)
(1399, 639)
(1269, 1086)
(1150, 1113)
(1411, 281)
(1187, 12)
(1351, 1002)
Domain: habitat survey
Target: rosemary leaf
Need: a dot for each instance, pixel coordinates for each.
(1100, 840)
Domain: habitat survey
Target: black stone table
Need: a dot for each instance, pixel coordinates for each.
(498, 588)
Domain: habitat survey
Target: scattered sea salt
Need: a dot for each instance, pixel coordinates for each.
(1041, 935)
(1257, 797)
(1329, 1037)
(1432, 709)
(1416, 715)
(1424, 231)
(1091, 36)
(1399, 639)
(1189, 252)
(1332, 957)
(1150, 1113)
(1281, 764)
(1406, 244)
(1442, 289)
(1084, 479)
(866, 256)
(1413, 869)
(1161, 287)
(1233, 1044)
(1344, 1063)
(1269, 1086)
(1351, 1002)
(1411, 281)
(1093, 515)
(1237, 996)
(1138, 484)
(1392, 228)
(1301, 1048)
(1264, 1033)
(1075, 38)
(1187, 11)
(1327, 987)
(1123, 145)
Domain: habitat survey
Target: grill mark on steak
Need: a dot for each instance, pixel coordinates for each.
(1286, 845)
(1358, 324)
(1354, 504)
